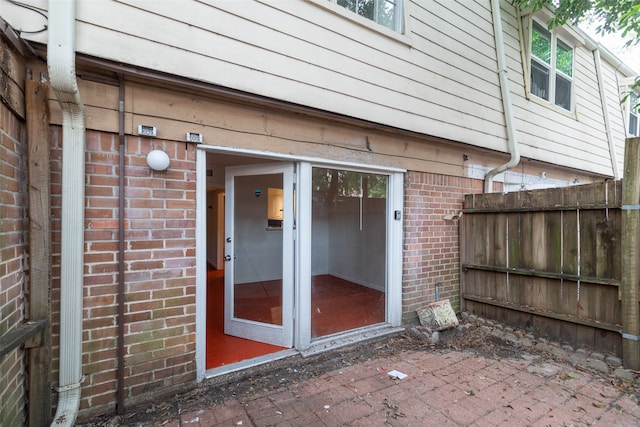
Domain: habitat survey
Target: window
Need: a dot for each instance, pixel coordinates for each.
(551, 67)
(634, 129)
(384, 12)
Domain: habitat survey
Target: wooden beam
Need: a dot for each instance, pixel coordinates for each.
(19, 336)
(39, 247)
(544, 274)
(631, 255)
(544, 313)
(12, 73)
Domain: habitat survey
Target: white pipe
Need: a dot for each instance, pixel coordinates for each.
(61, 64)
(605, 113)
(506, 100)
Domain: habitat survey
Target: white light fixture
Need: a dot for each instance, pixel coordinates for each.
(158, 160)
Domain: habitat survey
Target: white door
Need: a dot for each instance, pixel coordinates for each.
(258, 252)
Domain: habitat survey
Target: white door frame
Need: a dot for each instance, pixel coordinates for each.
(395, 201)
(302, 336)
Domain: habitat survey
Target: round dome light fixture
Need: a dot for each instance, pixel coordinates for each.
(158, 160)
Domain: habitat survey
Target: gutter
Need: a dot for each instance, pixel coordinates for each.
(61, 64)
(605, 113)
(506, 100)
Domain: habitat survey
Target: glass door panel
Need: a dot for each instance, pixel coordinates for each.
(348, 254)
(258, 250)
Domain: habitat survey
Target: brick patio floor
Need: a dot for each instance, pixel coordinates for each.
(454, 388)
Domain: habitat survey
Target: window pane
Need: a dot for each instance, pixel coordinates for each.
(348, 253)
(366, 8)
(564, 58)
(541, 43)
(539, 80)
(348, 4)
(633, 113)
(387, 13)
(257, 293)
(384, 12)
(563, 92)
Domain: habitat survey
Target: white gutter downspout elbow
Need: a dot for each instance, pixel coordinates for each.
(61, 64)
(506, 100)
(605, 113)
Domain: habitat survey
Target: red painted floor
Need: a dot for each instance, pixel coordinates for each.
(224, 349)
(337, 306)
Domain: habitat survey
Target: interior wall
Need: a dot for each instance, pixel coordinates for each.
(258, 251)
(320, 241)
(358, 255)
(215, 232)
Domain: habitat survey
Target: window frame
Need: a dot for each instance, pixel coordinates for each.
(633, 113)
(398, 14)
(552, 66)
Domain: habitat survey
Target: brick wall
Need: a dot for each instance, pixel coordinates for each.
(13, 259)
(159, 270)
(431, 252)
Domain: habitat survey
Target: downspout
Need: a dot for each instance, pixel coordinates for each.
(605, 113)
(61, 64)
(506, 100)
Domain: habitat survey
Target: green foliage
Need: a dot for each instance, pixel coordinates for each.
(541, 43)
(564, 58)
(621, 16)
(334, 183)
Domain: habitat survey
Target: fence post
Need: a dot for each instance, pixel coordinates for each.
(630, 268)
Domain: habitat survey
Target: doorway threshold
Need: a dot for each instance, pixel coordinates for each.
(344, 339)
(249, 363)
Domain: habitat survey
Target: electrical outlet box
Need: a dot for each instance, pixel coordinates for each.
(145, 130)
(194, 137)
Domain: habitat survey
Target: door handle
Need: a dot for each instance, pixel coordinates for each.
(227, 257)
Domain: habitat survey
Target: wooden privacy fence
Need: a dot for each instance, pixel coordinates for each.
(563, 262)
(548, 261)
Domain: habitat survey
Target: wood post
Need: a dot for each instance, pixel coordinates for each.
(37, 115)
(463, 259)
(630, 291)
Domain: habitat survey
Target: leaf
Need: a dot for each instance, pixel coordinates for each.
(598, 405)
(565, 376)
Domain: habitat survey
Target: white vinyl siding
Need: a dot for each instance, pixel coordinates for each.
(438, 78)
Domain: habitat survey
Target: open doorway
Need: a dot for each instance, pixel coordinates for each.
(297, 255)
(242, 293)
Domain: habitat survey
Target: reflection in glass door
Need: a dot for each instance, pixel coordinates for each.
(348, 250)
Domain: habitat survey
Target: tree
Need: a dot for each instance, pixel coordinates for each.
(615, 16)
